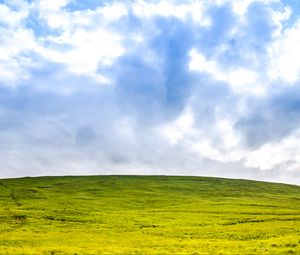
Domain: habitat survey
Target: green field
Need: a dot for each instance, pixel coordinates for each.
(148, 215)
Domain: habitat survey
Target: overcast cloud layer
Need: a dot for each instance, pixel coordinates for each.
(207, 87)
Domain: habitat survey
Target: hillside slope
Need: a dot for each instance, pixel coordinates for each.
(148, 214)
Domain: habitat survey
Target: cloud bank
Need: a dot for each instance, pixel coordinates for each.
(150, 87)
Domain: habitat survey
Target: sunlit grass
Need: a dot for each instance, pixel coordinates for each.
(152, 215)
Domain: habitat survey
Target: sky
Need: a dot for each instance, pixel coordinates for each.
(164, 87)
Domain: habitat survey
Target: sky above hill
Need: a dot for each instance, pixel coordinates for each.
(208, 87)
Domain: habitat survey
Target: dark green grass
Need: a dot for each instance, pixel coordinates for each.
(148, 215)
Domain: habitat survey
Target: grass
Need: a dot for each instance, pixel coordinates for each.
(148, 215)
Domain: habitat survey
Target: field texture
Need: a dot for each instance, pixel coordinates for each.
(148, 215)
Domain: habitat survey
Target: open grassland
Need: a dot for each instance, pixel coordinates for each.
(148, 215)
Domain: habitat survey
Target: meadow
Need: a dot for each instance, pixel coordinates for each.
(148, 215)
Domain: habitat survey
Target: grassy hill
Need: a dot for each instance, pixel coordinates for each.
(148, 214)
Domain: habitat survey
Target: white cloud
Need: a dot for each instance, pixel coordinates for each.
(83, 46)
(284, 55)
(278, 18)
(15, 40)
(285, 153)
(205, 149)
(85, 52)
(282, 156)
(241, 79)
(9, 17)
(240, 7)
(58, 17)
(218, 142)
(194, 10)
(113, 12)
(199, 63)
(221, 143)
(85, 43)
(53, 5)
(180, 128)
